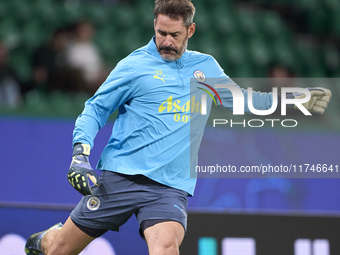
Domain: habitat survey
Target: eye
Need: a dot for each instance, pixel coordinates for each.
(162, 33)
(175, 35)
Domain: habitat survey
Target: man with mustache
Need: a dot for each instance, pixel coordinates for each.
(146, 163)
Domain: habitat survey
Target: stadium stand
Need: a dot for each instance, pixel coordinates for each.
(244, 36)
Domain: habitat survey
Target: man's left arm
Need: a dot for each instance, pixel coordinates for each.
(314, 100)
(318, 102)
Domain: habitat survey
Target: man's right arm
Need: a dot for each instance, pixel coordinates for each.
(115, 91)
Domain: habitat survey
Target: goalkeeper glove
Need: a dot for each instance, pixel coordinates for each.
(80, 170)
(320, 97)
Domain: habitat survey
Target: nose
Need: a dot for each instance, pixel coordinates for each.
(167, 42)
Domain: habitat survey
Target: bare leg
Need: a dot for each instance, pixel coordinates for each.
(68, 240)
(164, 238)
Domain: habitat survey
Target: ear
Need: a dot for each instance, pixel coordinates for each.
(191, 30)
(154, 23)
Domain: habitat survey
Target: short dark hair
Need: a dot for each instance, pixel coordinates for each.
(176, 9)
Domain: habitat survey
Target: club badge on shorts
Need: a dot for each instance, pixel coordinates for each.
(93, 203)
(199, 75)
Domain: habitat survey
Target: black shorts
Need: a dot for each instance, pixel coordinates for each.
(120, 196)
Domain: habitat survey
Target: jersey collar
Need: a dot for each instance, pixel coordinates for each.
(154, 52)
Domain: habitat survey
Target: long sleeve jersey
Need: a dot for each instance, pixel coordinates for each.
(159, 126)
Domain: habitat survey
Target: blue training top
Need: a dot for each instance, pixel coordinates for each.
(152, 135)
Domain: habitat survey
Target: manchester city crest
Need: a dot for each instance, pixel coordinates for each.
(93, 203)
(199, 75)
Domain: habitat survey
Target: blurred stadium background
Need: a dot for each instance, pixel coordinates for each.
(262, 216)
(246, 36)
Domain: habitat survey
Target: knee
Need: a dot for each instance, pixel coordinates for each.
(49, 242)
(50, 251)
(55, 249)
(58, 246)
(169, 248)
(59, 250)
(62, 247)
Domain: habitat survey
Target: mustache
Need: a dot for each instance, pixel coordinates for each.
(168, 48)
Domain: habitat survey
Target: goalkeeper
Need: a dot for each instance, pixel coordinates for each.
(146, 163)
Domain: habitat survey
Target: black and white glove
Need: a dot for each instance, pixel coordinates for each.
(80, 170)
